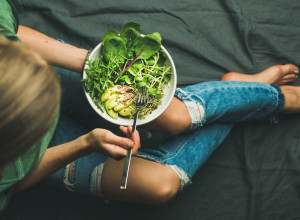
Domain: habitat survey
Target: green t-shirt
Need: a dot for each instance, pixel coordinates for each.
(23, 165)
(8, 20)
(18, 169)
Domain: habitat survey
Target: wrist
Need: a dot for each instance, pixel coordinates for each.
(88, 53)
(86, 143)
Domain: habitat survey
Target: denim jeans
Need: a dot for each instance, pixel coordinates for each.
(213, 106)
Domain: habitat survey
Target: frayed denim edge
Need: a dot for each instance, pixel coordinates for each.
(68, 185)
(96, 177)
(185, 180)
(196, 110)
(280, 102)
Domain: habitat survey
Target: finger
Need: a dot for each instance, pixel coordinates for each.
(119, 141)
(116, 151)
(129, 130)
(123, 129)
(135, 137)
(126, 130)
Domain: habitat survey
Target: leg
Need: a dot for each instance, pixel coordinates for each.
(177, 160)
(168, 168)
(278, 75)
(292, 99)
(221, 102)
(177, 113)
(149, 182)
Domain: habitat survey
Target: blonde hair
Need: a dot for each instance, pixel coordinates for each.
(29, 99)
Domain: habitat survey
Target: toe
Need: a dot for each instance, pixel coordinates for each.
(290, 77)
(283, 69)
(290, 69)
(284, 82)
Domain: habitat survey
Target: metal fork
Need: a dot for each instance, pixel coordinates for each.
(141, 101)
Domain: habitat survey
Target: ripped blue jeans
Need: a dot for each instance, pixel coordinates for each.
(213, 106)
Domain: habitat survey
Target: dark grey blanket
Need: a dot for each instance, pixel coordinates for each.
(255, 173)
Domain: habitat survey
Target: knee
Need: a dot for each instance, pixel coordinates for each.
(178, 123)
(174, 120)
(165, 190)
(164, 195)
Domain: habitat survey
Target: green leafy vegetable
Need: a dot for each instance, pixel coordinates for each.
(148, 45)
(130, 32)
(109, 33)
(114, 47)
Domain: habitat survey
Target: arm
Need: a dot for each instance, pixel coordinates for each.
(98, 140)
(53, 51)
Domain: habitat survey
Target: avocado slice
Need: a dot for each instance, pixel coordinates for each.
(112, 113)
(116, 100)
(108, 93)
(114, 90)
(107, 103)
(127, 111)
(128, 99)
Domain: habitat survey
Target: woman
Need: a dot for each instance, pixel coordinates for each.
(207, 112)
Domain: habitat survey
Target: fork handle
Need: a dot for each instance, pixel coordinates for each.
(134, 123)
(126, 170)
(128, 157)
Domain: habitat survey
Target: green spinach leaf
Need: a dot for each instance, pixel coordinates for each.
(148, 45)
(130, 32)
(109, 33)
(114, 47)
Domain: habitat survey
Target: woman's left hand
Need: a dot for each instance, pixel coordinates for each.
(105, 142)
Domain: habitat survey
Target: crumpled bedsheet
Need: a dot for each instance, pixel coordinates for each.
(255, 173)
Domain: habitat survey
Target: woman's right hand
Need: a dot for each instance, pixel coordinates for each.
(105, 142)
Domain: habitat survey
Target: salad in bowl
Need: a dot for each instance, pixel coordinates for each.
(119, 66)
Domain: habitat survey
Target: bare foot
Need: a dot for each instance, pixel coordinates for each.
(292, 99)
(278, 75)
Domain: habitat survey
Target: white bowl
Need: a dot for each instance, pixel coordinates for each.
(169, 91)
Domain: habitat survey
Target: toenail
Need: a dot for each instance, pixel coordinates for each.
(296, 71)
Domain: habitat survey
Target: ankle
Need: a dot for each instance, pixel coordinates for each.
(228, 76)
(292, 99)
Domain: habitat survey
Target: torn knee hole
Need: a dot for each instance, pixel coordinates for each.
(69, 176)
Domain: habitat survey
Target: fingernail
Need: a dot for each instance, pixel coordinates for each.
(296, 71)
